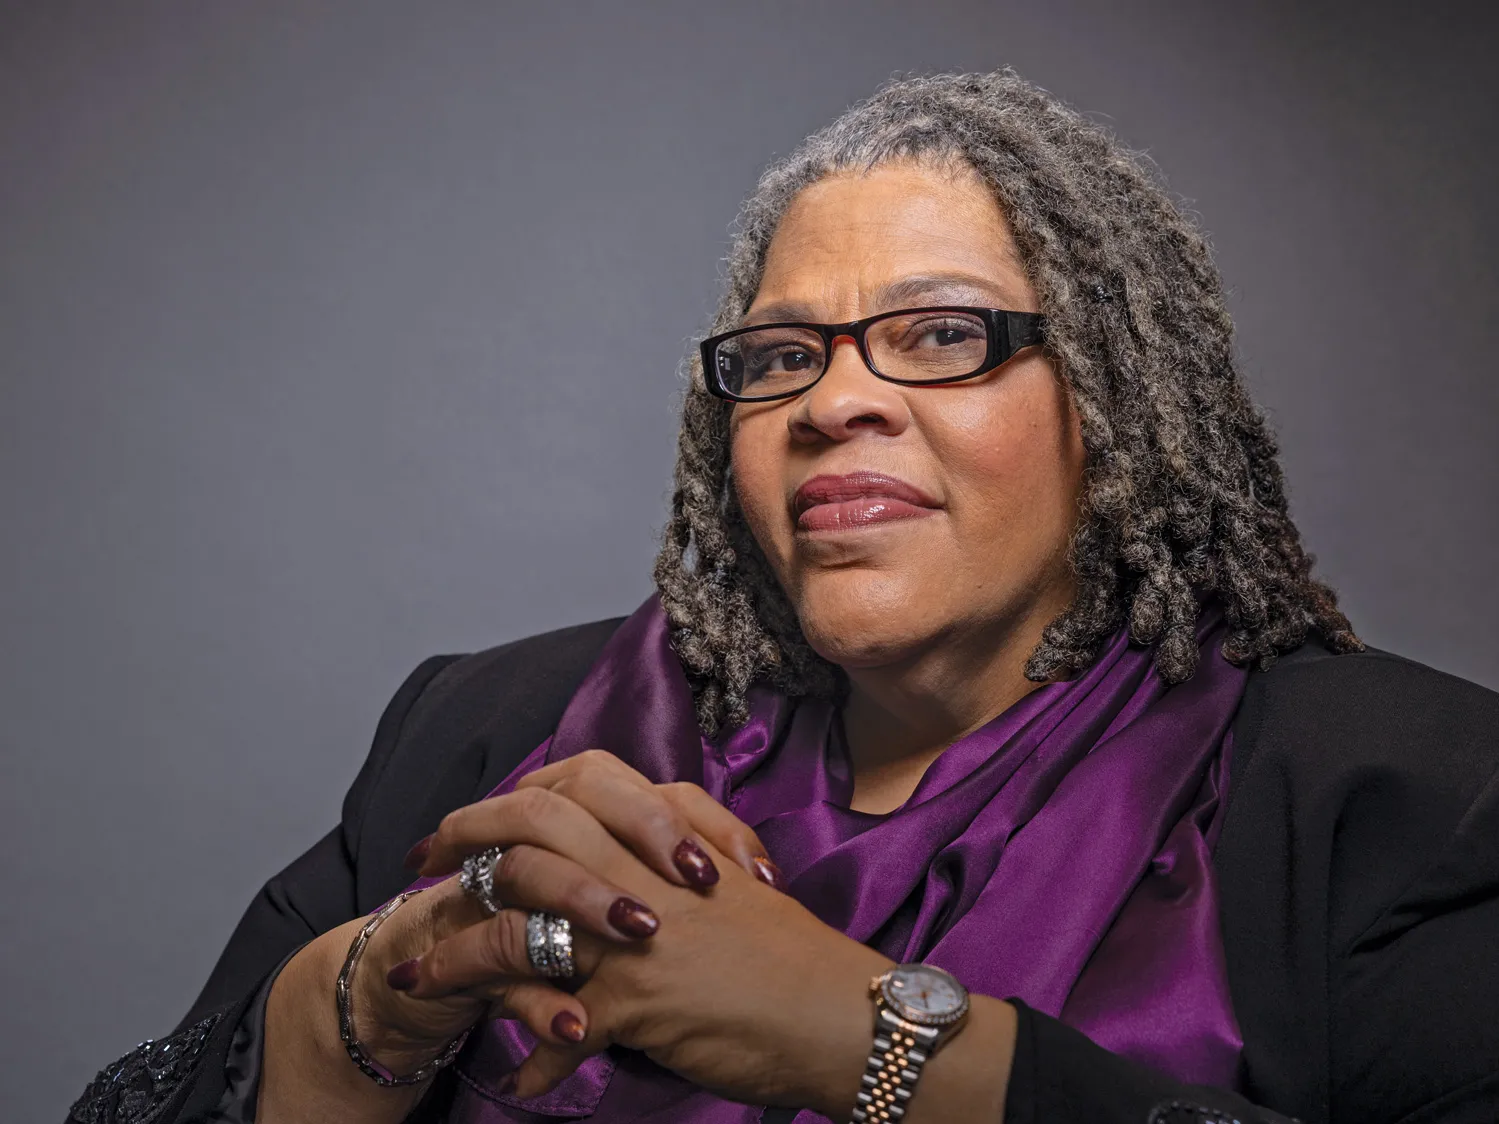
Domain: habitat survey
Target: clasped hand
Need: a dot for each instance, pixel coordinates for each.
(685, 946)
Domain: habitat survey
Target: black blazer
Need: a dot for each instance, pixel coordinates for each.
(1358, 868)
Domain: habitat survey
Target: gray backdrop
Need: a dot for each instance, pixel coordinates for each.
(333, 335)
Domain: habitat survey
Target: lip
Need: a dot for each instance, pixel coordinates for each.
(857, 500)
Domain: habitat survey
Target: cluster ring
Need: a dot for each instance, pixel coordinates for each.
(477, 878)
(549, 945)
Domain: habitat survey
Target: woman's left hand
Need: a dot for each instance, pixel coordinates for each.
(742, 990)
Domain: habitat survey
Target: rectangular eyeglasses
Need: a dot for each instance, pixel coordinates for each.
(910, 346)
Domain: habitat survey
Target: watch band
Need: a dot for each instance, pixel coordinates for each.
(900, 1050)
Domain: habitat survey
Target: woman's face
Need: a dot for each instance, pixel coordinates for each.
(994, 464)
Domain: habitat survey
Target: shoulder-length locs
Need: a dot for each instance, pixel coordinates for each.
(1183, 495)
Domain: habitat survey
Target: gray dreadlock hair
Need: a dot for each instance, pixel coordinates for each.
(1182, 495)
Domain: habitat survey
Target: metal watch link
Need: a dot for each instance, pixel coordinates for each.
(918, 1009)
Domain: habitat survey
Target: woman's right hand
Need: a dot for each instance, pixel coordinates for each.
(307, 1075)
(663, 826)
(402, 1033)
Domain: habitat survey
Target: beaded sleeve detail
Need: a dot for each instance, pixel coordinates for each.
(135, 1089)
(1190, 1112)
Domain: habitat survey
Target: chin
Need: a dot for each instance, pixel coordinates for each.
(864, 620)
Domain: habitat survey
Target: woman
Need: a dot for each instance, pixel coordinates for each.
(985, 663)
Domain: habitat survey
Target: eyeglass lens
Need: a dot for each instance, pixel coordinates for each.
(914, 347)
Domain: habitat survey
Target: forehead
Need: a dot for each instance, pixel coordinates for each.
(856, 239)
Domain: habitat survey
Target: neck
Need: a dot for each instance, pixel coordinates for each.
(899, 717)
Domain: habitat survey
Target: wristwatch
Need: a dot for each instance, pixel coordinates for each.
(917, 1010)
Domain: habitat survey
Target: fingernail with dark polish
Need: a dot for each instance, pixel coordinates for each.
(567, 1027)
(404, 975)
(632, 919)
(769, 873)
(694, 864)
(416, 858)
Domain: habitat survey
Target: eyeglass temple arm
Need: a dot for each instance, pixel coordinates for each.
(1024, 329)
(1016, 330)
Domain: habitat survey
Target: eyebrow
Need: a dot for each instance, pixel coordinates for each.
(907, 292)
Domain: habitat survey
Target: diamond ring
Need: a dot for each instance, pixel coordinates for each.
(477, 878)
(549, 945)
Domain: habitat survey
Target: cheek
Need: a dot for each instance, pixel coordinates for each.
(1014, 462)
(757, 473)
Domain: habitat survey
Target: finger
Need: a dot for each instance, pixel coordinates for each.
(539, 879)
(704, 816)
(536, 816)
(641, 818)
(550, 1062)
(482, 960)
(556, 1018)
(726, 831)
(548, 775)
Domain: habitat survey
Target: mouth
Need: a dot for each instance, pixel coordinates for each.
(858, 500)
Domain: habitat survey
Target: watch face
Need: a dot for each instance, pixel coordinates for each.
(924, 994)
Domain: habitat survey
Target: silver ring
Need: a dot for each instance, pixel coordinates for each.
(477, 878)
(549, 945)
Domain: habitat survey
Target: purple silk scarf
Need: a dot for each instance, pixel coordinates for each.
(1061, 854)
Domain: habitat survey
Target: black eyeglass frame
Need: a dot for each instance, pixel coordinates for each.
(1007, 333)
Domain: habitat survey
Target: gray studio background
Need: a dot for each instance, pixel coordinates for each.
(333, 335)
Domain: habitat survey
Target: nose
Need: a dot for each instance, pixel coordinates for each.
(849, 399)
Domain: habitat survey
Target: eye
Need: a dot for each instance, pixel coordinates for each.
(947, 334)
(786, 361)
(778, 353)
(769, 362)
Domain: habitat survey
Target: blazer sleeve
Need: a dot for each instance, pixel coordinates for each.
(185, 1075)
(1360, 893)
(1060, 1076)
(1359, 869)
(1413, 995)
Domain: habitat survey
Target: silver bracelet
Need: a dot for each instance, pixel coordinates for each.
(343, 993)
